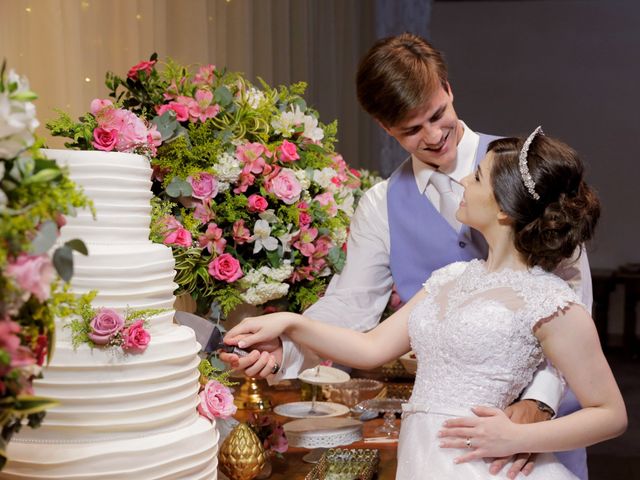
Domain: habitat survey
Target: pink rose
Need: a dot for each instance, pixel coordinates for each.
(181, 110)
(285, 186)
(33, 274)
(225, 268)
(105, 139)
(257, 203)
(145, 66)
(180, 236)
(135, 337)
(304, 219)
(204, 185)
(216, 401)
(105, 325)
(288, 152)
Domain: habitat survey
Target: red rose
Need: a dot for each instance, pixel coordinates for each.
(146, 67)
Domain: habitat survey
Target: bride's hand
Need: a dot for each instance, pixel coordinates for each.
(254, 330)
(490, 434)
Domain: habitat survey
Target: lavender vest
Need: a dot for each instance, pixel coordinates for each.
(415, 226)
(422, 241)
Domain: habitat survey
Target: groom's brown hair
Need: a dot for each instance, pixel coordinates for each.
(397, 75)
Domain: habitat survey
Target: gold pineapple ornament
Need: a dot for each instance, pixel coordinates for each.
(241, 455)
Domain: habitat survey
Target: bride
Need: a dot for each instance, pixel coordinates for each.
(481, 328)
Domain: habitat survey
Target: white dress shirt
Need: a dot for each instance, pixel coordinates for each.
(357, 296)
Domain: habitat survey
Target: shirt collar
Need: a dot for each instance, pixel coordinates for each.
(466, 154)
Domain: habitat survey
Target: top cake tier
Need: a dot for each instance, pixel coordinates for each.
(119, 185)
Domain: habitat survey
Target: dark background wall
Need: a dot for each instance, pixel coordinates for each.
(571, 66)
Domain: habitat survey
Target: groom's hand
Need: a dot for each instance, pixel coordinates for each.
(260, 361)
(525, 411)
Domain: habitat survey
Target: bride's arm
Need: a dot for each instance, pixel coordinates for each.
(367, 350)
(570, 341)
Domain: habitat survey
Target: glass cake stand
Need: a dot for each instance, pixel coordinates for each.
(388, 406)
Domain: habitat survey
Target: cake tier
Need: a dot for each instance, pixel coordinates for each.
(119, 185)
(188, 452)
(135, 277)
(105, 394)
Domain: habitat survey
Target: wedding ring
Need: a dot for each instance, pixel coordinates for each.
(276, 368)
(468, 442)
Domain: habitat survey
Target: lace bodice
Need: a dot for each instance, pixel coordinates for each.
(473, 333)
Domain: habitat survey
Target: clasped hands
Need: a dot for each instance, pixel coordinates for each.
(493, 433)
(262, 338)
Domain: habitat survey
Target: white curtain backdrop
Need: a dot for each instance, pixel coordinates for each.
(65, 47)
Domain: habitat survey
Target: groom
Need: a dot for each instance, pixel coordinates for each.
(405, 227)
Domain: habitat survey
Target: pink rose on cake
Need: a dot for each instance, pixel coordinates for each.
(216, 401)
(105, 139)
(135, 337)
(105, 325)
(226, 268)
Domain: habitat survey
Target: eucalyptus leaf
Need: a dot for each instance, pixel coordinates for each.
(63, 261)
(300, 103)
(77, 245)
(166, 124)
(222, 96)
(45, 238)
(178, 188)
(337, 257)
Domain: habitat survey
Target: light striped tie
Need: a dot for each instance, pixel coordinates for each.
(448, 202)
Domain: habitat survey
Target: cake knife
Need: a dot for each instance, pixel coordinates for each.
(207, 334)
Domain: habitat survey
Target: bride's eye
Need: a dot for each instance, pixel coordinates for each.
(476, 175)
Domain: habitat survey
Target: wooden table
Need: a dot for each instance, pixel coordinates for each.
(293, 467)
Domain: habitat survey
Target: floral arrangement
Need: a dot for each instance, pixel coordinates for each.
(270, 432)
(250, 193)
(105, 327)
(35, 196)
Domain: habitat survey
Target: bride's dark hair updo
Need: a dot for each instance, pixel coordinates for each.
(548, 230)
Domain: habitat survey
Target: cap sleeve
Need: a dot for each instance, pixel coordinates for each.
(547, 296)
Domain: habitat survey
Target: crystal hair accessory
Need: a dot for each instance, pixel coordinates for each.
(524, 168)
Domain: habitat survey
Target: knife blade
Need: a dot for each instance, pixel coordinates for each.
(207, 333)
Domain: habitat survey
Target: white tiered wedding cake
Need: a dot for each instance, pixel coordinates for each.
(120, 415)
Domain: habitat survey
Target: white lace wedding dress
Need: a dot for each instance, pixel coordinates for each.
(473, 337)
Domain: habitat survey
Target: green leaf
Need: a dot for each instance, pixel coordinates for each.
(167, 124)
(178, 188)
(46, 175)
(45, 238)
(63, 261)
(337, 257)
(77, 245)
(222, 96)
(26, 96)
(28, 404)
